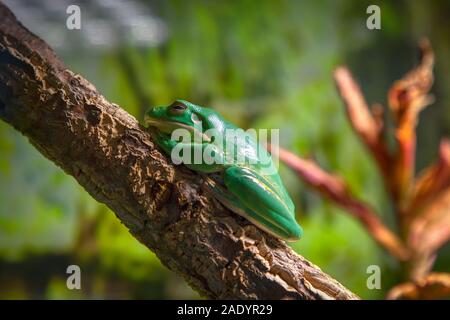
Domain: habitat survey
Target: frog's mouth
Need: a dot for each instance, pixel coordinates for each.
(167, 127)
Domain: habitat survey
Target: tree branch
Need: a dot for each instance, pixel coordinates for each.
(165, 207)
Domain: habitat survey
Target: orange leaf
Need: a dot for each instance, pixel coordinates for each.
(406, 98)
(433, 180)
(431, 230)
(409, 95)
(432, 286)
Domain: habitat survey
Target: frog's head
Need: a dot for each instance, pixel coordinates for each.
(180, 114)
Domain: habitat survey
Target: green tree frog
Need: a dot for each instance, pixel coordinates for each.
(236, 168)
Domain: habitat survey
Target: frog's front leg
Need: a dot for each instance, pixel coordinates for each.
(262, 204)
(163, 140)
(203, 157)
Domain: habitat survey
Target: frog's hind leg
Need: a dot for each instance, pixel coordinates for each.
(216, 187)
(233, 203)
(266, 207)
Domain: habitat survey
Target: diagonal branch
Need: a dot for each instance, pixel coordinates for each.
(163, 206)
(335, 189)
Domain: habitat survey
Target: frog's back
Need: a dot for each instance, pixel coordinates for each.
(243, 145)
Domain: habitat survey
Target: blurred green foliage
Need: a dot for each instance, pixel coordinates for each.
(263, 64)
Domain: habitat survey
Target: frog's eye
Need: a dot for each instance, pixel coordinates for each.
(195, 118)
(177, 108)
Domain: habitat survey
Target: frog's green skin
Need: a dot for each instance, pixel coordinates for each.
(244, 188)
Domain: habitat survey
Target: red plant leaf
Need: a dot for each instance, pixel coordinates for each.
(432, 181)
(431, 230)
(335, 189)
(367, 126)
(432, 286)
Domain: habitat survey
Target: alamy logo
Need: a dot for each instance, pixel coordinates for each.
(374, 20)
(73, 21)
(74, 278)
(232, 146)
(374, 280)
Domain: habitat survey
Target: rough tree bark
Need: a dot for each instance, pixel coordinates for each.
(165, 207)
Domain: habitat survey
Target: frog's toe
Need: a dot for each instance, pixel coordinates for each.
(295, 232)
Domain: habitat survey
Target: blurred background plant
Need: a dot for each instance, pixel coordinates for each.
(262, 64)
(421, 204)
